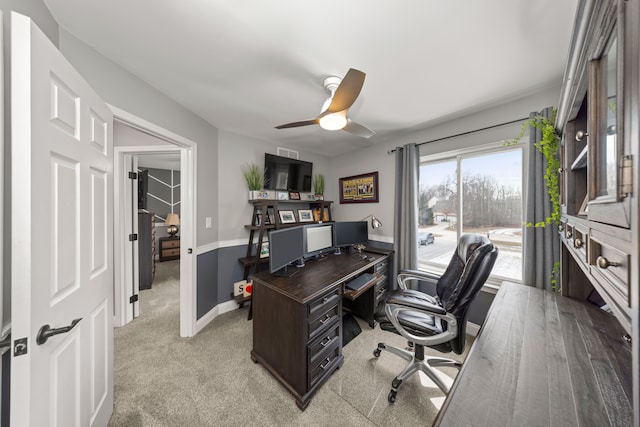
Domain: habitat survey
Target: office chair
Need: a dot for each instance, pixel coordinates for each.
(438, 321)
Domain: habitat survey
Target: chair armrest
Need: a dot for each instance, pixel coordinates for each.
(405, 276)
(416, 300)
(393, 310)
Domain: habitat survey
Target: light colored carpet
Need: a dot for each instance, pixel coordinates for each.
(210, 380)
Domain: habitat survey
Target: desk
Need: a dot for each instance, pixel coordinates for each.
(543, 359)
(297, 321)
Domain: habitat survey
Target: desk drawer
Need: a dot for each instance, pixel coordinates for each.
(323, 322)
(380, 289)
(611, 264)
(320, 305)
(323, 342)
(323, 362)
(382, 267)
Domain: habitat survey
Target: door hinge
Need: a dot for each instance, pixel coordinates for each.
(626, 182)
(133, 298)
(20, 347)
(133, 175)
(133, 237)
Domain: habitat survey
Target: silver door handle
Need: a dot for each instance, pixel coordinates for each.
(46, 331)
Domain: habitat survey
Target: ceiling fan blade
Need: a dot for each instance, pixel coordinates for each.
(298, 124)
(358, 129)
(347, 91)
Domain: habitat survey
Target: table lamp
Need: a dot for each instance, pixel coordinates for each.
(172, 222)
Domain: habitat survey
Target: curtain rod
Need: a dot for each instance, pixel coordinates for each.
(464, 133)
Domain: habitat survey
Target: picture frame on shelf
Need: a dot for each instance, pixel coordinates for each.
(287, 217)
(320, 215)
(271, 216)
(282, 195)
(264, 250)
(294, 195)
(359, 188)
(305, 215)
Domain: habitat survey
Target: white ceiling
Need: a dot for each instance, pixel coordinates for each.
(248, 65)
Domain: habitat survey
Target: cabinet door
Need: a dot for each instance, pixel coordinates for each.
(608, 192)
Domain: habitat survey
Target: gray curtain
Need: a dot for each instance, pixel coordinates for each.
(406, 209)
(541, 245)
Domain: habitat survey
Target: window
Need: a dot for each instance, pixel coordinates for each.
(472, 192)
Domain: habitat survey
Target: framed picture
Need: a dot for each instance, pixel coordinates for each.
(359, 188)
(287, 217)
(294, 195)
(282, 195)
(271, 216)
(305, 215)
(320, 215)
(264, 250)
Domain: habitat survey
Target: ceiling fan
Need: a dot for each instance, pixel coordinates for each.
(333, 115)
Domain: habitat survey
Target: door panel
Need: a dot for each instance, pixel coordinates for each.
(62, 238)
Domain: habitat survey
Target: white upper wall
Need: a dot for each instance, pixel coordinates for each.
(235, 210)
(127, 92)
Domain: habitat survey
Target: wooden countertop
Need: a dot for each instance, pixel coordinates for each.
(543, 359)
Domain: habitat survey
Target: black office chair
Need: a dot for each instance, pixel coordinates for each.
(436, 322)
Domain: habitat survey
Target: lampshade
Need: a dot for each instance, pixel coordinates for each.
(172, 219)
(375, 222)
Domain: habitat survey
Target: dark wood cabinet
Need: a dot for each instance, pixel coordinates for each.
(297, 321)
(599, 116)
(169, 248)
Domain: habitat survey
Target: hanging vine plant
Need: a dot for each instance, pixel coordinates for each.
(549, 146)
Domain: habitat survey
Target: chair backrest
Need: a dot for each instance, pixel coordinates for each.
(465, 275)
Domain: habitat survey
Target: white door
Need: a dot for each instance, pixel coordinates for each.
(61, 239)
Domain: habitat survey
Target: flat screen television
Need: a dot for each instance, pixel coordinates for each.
(283, 173)
(347, 233)
(286, 245)
(318, 238)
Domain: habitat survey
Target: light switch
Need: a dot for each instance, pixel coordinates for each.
(207, 222)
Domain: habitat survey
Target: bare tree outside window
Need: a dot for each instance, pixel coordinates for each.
(485, 197)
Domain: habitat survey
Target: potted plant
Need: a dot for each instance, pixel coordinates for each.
(318, 186)
(254, 175)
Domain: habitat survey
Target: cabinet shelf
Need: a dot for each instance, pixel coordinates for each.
(581, 161)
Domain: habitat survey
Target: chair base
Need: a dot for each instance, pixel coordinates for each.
(417, 362)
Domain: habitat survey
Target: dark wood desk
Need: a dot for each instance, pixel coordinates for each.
(297, 321)
(546, 360)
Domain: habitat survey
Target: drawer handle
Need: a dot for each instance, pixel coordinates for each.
(577, 243)
(324, 365)
(605, 263)
(325, 299)
(569, 234)
(326, 317)
(560, 227)
(325, 343)
(580, 135)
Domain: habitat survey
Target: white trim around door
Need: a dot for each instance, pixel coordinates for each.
(188, 190)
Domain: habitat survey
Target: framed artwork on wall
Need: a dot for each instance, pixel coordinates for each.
(359, 188)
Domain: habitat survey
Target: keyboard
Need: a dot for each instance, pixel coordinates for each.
(357, 283)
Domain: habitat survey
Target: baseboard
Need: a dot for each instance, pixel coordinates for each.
(219, 309)
(473, 329)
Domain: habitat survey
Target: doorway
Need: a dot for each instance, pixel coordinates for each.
(126, 292)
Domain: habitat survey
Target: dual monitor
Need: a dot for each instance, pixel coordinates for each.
(296, 244)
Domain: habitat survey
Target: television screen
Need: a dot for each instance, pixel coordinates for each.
(317, 239)
(283, 173)
(349, 233)
(286, 245)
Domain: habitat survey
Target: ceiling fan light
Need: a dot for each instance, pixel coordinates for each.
(333, 121)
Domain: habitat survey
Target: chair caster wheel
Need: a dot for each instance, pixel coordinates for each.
(376, 352)
(392, 396)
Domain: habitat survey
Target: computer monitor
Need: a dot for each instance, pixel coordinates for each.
(347, 233)
(286, 245)
(318, 238)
